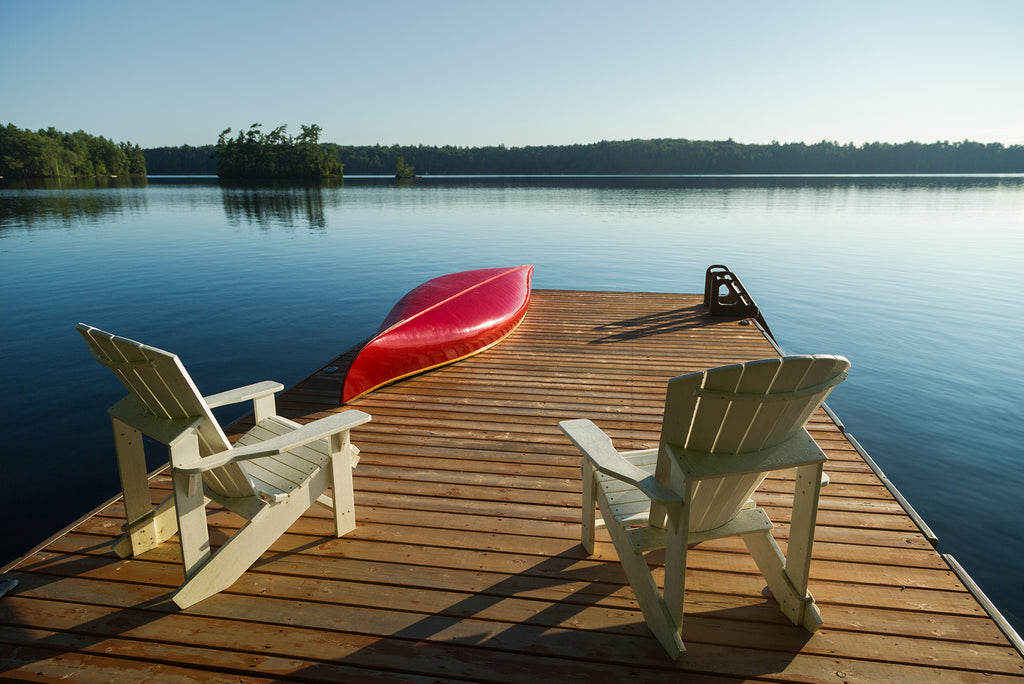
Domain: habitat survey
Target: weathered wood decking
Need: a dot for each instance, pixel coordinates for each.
(466, 564)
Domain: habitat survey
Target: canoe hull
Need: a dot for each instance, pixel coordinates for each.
(441, 321)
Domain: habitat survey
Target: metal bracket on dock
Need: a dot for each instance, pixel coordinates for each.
(724, 295)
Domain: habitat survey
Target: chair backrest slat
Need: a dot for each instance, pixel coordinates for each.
(713, 503)
(160, 383)
(681, 404)
(776, 416)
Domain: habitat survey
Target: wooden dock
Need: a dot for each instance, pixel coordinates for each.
(466, 564)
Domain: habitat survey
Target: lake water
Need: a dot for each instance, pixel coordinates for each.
(917, 280)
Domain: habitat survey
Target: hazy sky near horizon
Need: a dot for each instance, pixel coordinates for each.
(475, 73)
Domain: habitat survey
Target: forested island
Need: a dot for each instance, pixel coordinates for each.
(255, 155)
(658, 156)
(51, 153)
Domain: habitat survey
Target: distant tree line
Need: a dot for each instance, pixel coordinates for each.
(669, 156)
(182, 161)
(51, 153)
(677, 156)
(255, 155)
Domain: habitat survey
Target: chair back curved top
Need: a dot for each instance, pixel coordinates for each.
(163, 388)
(740, 409)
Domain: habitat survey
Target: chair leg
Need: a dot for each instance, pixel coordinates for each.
(588, 515)
(343, 491)
(657, 614)
(801, 530)
(797, 606)
(677, 536)
(250, 542)
(787, 576)
(190, 510)
(150, 532)
(138, 508)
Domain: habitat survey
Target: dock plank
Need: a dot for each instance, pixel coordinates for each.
(466, 562)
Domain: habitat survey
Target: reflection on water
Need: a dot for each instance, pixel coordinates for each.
(87, 183)
(57, 202)
(281, 205)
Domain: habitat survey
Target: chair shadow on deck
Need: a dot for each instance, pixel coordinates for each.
(585, 613)
(81, 605)
(595, 621)
(650, 325)
(77, 616)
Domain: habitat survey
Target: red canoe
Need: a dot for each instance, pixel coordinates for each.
(441, 321)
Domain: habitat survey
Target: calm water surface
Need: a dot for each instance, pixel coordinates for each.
(917, 280)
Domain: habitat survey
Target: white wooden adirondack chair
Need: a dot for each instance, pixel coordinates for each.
(272, 475)
(723, 431)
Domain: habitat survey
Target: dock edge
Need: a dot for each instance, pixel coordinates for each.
(1005, 627)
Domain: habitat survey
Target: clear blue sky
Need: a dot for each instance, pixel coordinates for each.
(477, 72)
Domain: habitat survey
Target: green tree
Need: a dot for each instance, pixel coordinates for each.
(253, 154)
(51, 153)
(403, 170)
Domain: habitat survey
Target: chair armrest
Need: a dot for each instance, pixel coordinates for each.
(240, 394)
(311, 432)
(597, 448)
